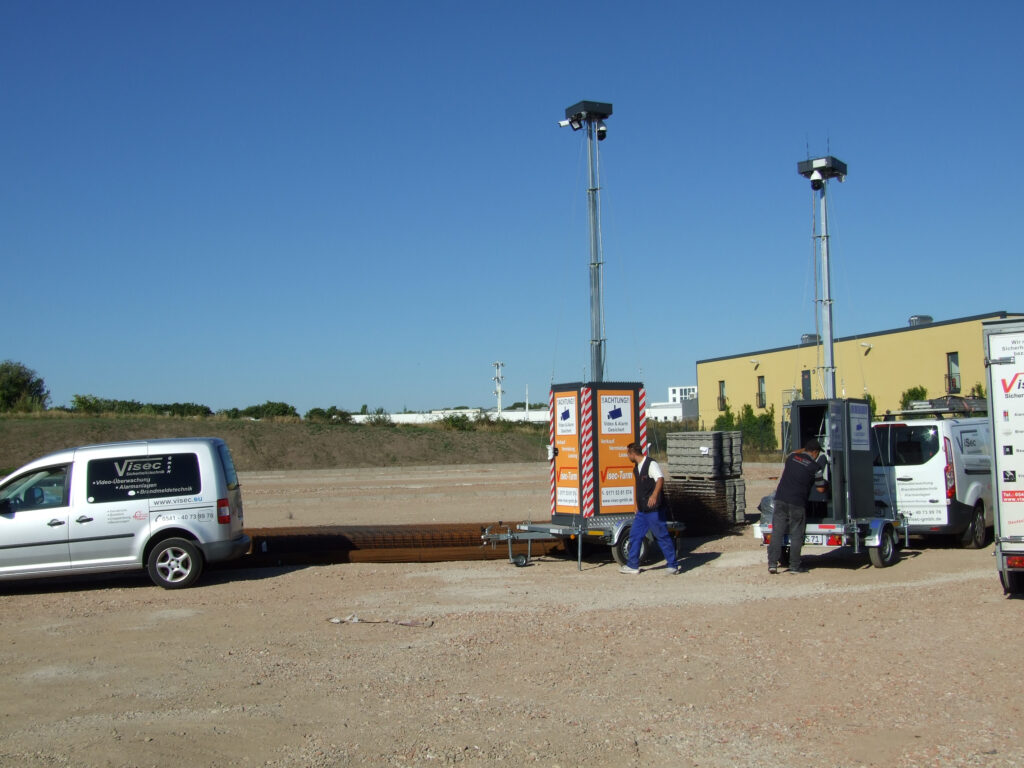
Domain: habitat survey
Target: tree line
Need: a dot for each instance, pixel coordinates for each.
(22, 390)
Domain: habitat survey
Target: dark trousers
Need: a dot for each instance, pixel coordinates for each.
(791, 519)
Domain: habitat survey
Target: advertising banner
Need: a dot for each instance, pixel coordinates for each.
(616, 411)
(1006, 379)
(567, 460)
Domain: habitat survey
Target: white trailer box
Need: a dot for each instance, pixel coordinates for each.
(1004, 358)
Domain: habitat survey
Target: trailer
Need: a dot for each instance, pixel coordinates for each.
(592, 484)
(609, 531)
(1004, 360)
(841, 510)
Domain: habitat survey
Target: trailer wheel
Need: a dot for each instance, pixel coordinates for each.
(976, 535)
(1012, 581)
(620, 549)
(886, 553)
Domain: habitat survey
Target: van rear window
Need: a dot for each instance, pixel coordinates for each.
(230, 476)
(903, 445)
(121, 478)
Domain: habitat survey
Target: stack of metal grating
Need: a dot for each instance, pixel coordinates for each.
(704, 486)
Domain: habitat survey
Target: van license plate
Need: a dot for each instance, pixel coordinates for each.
(814, 538)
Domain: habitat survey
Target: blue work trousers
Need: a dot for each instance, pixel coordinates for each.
(653, 521)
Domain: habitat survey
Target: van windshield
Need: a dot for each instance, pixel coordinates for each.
(904, 445)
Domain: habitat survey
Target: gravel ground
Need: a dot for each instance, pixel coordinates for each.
(474, 663)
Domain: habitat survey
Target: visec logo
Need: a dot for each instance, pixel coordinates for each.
(137, 466)
(1014, 384)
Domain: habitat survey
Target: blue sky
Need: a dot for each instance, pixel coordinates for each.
(341, 203)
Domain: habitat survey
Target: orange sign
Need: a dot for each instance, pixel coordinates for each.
(615, 429)
(567, 462)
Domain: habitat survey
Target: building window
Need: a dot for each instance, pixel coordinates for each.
(721, 395)
(952, 373)
(760, 395)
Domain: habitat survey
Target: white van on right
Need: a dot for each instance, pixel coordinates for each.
(937, 472)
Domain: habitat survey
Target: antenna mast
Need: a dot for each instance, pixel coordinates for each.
(497, 378)
(592, 114)
(819, 171)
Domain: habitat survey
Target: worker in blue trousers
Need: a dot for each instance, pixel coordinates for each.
(650, 512)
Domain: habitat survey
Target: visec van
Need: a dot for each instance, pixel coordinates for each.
(169, 506)
(936, 472)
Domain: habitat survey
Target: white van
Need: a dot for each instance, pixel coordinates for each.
(937, 472)
(168, 506)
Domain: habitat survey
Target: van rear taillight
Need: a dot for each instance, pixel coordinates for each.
(223, 512)
(1015, 561)
(950, 475)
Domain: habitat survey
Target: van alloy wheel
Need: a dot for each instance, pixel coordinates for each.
(976, 534)
(175, 564)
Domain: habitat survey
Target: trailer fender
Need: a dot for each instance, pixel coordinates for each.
(872, 537)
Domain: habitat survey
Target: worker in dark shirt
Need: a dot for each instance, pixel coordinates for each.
(790, 514)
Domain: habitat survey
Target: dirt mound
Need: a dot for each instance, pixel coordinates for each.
(262, 445)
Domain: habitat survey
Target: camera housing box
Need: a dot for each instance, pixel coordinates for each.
(829, 167)
(590, 109)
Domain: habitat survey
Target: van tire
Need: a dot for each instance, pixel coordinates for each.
(976, 534)
(1012, 581)
(174, 563)
(886, 553)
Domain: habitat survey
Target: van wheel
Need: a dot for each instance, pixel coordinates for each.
(620, 549)
(886, 553)
(175, 564)
(976, 535)
(1012, 581)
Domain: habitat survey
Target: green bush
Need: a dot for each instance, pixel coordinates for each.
(457, 422)
(380, 418)
(758, 430)
(912, 394)
(22, 390)
(332, 415)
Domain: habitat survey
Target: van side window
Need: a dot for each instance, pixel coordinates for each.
(42, 489)
(120, 478)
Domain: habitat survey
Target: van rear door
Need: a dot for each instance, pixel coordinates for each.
(234, 489)
(912, 462)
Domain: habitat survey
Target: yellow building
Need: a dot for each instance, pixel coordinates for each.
(945, 357)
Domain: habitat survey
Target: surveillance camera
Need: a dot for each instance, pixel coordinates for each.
(817, 180)
(602, 130)
(563, 123)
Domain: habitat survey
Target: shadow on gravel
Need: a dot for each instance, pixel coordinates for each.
(83, 583)
(213, 574)
(847, 559)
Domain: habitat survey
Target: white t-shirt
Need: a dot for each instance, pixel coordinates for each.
(653, 470)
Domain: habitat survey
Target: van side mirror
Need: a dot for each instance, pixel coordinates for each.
(5, 507)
